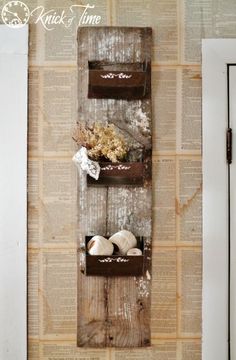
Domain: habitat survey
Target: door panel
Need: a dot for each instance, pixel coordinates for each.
(232, 175)
(13, 191)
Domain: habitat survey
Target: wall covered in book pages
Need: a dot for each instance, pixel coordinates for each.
(178, 26)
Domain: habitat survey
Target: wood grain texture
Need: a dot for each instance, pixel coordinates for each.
(115, 312)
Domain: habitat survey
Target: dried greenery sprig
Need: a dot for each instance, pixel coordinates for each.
(101, 141)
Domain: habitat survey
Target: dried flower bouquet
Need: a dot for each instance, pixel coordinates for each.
(102, 142)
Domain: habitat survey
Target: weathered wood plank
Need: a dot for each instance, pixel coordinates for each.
(115, 311)
(91, 307)
(128, 312)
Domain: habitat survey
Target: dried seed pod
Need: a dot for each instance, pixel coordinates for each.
(123, 240)
(99, 245)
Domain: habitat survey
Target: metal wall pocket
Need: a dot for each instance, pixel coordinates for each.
(128, 81)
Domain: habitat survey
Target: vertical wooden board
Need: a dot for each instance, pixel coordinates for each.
(128, 313)
(115, 312)
(129, 298)
(91, 309)
(129, 208)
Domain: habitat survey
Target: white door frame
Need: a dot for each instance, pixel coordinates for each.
(216, 54)
(13, 191)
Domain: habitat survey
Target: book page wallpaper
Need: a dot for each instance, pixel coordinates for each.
(178, 26)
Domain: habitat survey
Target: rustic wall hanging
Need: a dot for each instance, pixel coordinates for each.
(114, 201)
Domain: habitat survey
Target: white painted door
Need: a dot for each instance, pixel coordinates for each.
(13, 191)
(219, 199)
(232, 225)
